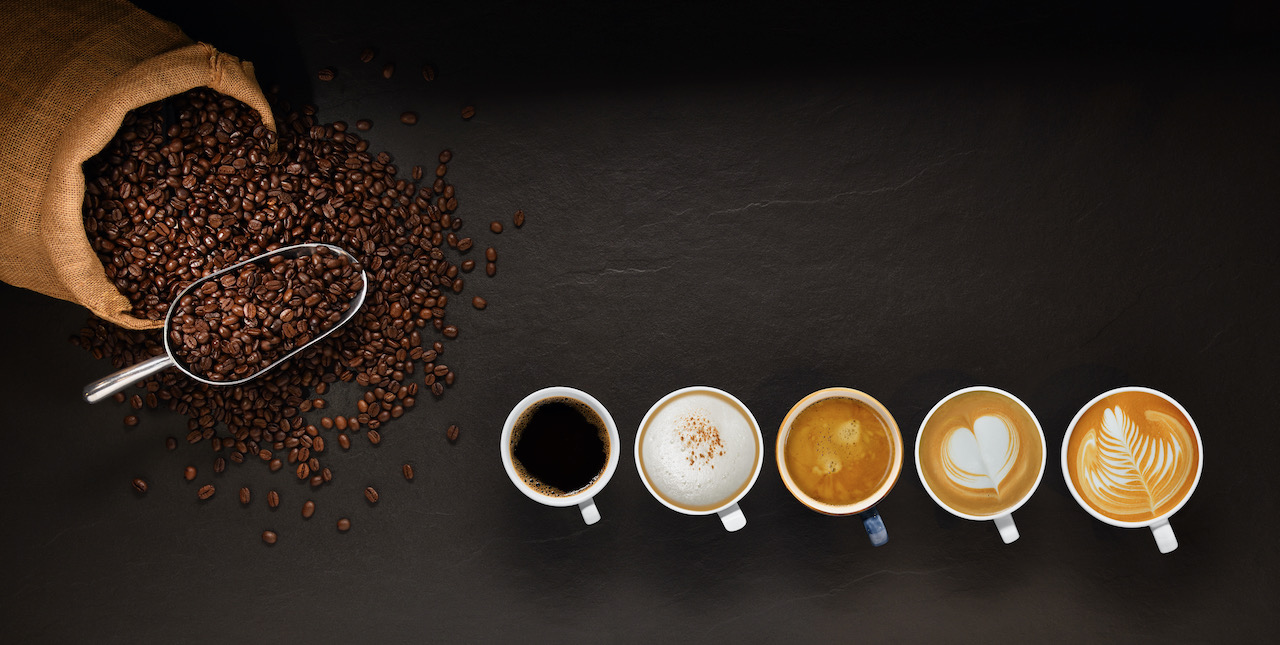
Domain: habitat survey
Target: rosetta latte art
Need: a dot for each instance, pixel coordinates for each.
(1131, 472)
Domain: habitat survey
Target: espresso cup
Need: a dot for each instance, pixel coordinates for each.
(560, 448)
(840, 452)
(980, 455)
(1132, 457)
(699, 451)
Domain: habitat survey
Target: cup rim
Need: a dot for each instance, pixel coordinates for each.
(784, 430)
(1044, 454)
(1195, 432)
(759, 435)
(567, 392)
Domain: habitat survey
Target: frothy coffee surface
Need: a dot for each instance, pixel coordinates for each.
(1132, 456)
(698, 451)
(980, 453)
(839, 451)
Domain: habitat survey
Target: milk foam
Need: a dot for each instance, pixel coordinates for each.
(699, 450)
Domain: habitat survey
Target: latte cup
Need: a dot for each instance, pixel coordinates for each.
(839, 452)
(699, 451)
(593, 414)
(980, 455)
(1132, 457)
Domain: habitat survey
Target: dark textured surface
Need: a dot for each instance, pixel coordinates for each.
(768, 200)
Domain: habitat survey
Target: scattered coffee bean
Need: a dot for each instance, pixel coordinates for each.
(491, 269)
(465, 244)
(244, 495)
(170, 443)
(140, 484)
(219, 465)
(344, 441)
(468, 265)
(118, 397)
(428, 73)
(495, 226)
(205, 491)
(479, 303)
(189, 473)
(388, 70)
(374, 437)
(450, 331)
(275, 464)
(344, 524)
(452, 433)
(135, 402)
(269, 537)
(367, 54)
(308, 509)
(371, 495)
(326, 74)
(364, 125)
(468, 112)
(491, 254)
(518, 218)
(416, 173)
(273, 499)
(409, 118)
(131, 420)
(406, 469)
(446, 156)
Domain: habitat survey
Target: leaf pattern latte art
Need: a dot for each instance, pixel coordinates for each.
(1127, 471)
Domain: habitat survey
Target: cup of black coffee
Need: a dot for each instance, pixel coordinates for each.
(560, 448)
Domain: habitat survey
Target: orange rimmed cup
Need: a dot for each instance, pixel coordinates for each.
(840, 452)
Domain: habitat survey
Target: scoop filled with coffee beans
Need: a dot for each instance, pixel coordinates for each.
(242, 321)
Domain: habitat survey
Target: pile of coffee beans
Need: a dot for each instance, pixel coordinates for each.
(245, 320)
(196, 183)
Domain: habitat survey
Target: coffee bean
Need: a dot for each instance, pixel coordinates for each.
(450, 331)
(464, 244)
(344, 441)
(189, 473)
(416, 173)
(273, 499)
(374, 437)
(409, 118)
(269, 537)
(205, 491)
(303, 471)
(479, 303)
(446, 156)
(406, 469)
(275, 465)
(371, 495)
(244, 495)
(518, 218)
(135, 402)
(468, 112)
(326, 74)
(118, 397)
(491, 269)
(495, 226)
(491, 254)
(131, 420)
(437, 388)
(344, 524)
(367, 54)
(140, 484)
(308, 509)
(388, 70)
(428, 73)
(364, 125)
(452, 433)
(468, 265)
(219, 465)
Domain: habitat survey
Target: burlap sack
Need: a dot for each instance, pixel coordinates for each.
(69, 71)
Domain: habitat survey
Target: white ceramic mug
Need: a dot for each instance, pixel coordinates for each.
(730, 513)
(1004, 517)
(583, 499)
(1159, 525)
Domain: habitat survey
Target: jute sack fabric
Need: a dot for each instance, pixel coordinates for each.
(69, 72)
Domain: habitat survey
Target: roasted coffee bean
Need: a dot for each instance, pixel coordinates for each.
(140, 484)
(189, 473)
(118, 397)
(244, 495)
(269, 537)
(344, 441)
(452, 433)
(131, 420)
(491, 269)
(219, 465)
(409, 118)
(303, 471)
(468, 265)
(344, 524)
(308, 509)
(450, 331)
(437, 388)
(273, 499)
(491, 254)
(371, 495)
(364, 125)
(479, 303)
(518, 218)
(367, 54)
(205, 491)
(135, 402)
(388, 70)
(171, 443)
(326, 74)
(326, 474)
(406, 469)
(374, 437)
(428, 73)
(416, 173)
(495, 226)
(275, 465)
(468, 112)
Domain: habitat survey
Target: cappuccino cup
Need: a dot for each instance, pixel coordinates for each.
(1132, 457)
(840, 452)
(699, 451)
(560, 448)
(980, 455)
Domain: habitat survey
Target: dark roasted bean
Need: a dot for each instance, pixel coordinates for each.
(409, 118)
(131, 420)
(388, 70)
(140, 484)
(407, 470)
(189, 473)
(367, 54)
(495, 226)
(428, 73)
(308, 509)
(518, 218)
(269, 537)
(205, 491)
(468, 112)
(344, 524)
(244, 495)
(326, 74)
(452, 433)
(479, 303)
(273, 499)
(374, 437)
(491, 269)
(371, 494)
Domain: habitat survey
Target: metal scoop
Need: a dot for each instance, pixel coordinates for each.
(108, 385)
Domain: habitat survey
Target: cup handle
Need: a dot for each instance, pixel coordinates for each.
(1008, 530)
(875, 527)
(1165, 539)
(590, 514)
(732, 518)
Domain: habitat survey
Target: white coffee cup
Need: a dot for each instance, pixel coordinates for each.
(1003, 520)
(583, 499)
(1166, 541)
(729, 512)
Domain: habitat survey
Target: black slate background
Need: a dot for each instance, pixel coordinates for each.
(770, 199)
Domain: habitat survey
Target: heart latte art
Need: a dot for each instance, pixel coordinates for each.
(1132, 456)
(980, 453)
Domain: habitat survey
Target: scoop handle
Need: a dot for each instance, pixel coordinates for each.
(112, 383)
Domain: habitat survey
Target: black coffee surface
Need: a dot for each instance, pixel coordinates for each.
(560, 445)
